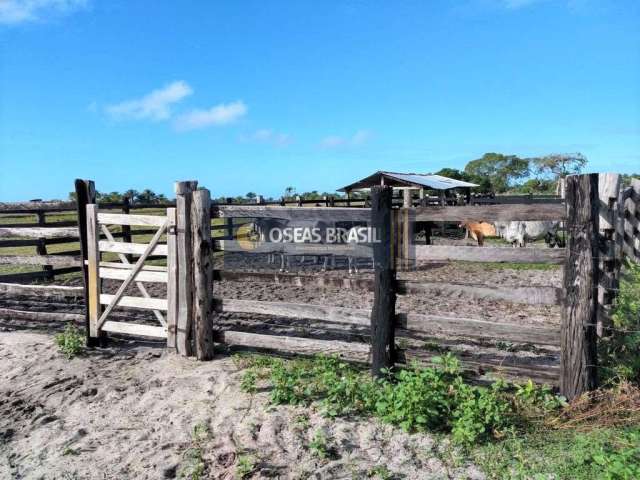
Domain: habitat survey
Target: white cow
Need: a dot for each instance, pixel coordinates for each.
(519, 233)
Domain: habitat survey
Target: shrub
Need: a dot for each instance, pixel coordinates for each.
(70, 342)
(620, 352)
(415, 399)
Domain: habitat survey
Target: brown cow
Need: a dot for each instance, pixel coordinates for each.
(479, 230)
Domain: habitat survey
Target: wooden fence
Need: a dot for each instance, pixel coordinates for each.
(197, 316)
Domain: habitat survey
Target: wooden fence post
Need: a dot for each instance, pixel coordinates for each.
(126, 229)
(85, 194)
(609, 261)
(384, 302)
(172, 278)
(184, 321)
(202, 274)
(578, 357)
(629, 221)
(93, 260)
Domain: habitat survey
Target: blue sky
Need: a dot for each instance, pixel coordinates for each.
(257, 96)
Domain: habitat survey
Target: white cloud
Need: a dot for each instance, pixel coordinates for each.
(266, 135)
(153, 106)
(335, 141)
(19, 11)
(222, 114)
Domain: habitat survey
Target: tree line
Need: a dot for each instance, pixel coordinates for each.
(493, 173)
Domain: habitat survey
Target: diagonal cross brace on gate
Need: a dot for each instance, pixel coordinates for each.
(140, 285)
(134, 271)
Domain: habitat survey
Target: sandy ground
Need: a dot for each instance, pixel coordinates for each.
(128, 412)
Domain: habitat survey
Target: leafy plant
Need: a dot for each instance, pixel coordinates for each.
(193, 465)
(620, 352)
(248, 382)
(416, 399)
(246, 465)
(318, 445)
(612, 454)
(70, 342)
(380, 472)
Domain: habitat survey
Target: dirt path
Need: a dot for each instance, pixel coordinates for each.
(128, 412)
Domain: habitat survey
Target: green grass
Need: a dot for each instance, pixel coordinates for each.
(607, 454)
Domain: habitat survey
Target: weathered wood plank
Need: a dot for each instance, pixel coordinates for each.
(135, 302)
(184, 191)
(54, 260)
(12, 314)
(491, 213)
(202, 274)
(295, 310)
(137, 248)
(578, 332)
(424, 323)
(47, 291)
(352, 249)
(172, 279)
(142, 276)
(124, 266)
(126, 328)
(128, 219)
(301, 346)
(292, 213)
(35, 207)
(38, 232)
(384, 288)
(93, 269)
(499, 368)
(534, 295)
(468, 327)
(489, 254)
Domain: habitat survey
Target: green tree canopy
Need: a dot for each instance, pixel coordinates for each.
(500, 171)
(559, 165)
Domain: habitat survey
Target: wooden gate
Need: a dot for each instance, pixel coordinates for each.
(100, 240)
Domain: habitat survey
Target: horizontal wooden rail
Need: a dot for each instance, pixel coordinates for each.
(431, 324)
(142, 276)
(48, 291)
(53, 260)
(295, 310)
(297, 345)
(493, 367)
(468, 327)
(127, 219)
(489, 254)
(137, 248)
(292, 213)
(38, 232)
(125, 328)
(360, 352)
(136, 302)
(491, 213)
(129, 266)
(533, 295)
(340, 249)
(13, 314)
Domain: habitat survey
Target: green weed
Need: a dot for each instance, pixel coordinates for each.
(246, 465)
(70, 342)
